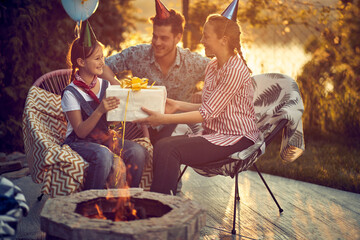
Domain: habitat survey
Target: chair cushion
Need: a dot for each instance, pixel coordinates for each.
(147, 175)
(276, 97)
(59, 168)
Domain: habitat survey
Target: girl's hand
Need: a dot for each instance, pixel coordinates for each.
(171, 106)
(154, 119)
(108, 104)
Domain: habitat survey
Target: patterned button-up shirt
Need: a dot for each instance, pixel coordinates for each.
(227, 103)
(180, 81)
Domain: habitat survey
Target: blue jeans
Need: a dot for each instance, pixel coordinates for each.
(100, 160)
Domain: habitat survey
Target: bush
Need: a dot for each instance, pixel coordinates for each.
(34, 39)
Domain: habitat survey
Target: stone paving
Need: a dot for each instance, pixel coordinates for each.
(13, 165)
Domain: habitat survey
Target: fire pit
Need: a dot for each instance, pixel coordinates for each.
(91, 215)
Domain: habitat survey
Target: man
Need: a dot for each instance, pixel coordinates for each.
(162, 61)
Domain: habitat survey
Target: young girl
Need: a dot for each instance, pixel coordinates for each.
(85, 106)
(226, 112)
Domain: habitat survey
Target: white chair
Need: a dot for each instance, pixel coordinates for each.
(278, 107)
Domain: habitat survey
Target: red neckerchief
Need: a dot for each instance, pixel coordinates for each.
(78, 81)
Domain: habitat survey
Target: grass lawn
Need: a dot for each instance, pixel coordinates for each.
(327, 161)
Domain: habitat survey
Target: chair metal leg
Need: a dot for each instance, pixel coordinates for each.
(237, 195)
(272, 195)
(40, 197)
(235, 200)
(181, 174)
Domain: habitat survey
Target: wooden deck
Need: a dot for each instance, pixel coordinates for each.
(310, 211)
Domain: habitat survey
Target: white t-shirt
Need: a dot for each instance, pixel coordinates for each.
(70, 103)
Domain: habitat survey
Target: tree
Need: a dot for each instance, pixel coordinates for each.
(34, 39)
(329, 82)
(198, 13)
(332, 75)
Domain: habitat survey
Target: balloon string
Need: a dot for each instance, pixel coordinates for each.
(77, 29)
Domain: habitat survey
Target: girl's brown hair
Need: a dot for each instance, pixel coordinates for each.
(77, 50)
(230, 29)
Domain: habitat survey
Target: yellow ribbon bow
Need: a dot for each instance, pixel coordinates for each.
(135, 83)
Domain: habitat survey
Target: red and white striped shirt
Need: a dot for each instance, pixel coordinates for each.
(227, 103)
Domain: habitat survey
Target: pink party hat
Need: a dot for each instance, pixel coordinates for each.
(231, 11)
(161, 11)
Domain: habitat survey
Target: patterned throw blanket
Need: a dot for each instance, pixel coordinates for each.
(276, 97)
(13, 206)
(59, 168)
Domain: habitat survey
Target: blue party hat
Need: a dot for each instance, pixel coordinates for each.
(231, 11)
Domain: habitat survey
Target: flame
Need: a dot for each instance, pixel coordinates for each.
(124, 209)
(100, 214)
(134, 212)
(109, 195)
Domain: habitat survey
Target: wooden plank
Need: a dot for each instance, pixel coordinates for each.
(315, 210)
(310, 211)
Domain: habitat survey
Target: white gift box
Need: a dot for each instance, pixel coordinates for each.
(151, 98)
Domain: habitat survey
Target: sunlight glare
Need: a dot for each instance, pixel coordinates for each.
(287, 59)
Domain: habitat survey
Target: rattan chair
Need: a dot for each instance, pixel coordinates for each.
(279, 108)
(57, 166)
(55, 81)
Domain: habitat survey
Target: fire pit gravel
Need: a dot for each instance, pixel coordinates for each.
(60, 221)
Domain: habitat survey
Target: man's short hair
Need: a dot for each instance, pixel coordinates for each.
(176, 21)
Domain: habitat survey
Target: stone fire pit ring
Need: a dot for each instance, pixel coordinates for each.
(60, 221)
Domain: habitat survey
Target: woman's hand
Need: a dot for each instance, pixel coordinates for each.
(108, 104)
(154, 119)
(171, 106)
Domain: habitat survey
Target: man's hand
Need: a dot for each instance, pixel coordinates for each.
(171, 106)
(196, 97)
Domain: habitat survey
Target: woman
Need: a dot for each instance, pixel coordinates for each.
(226, 112)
